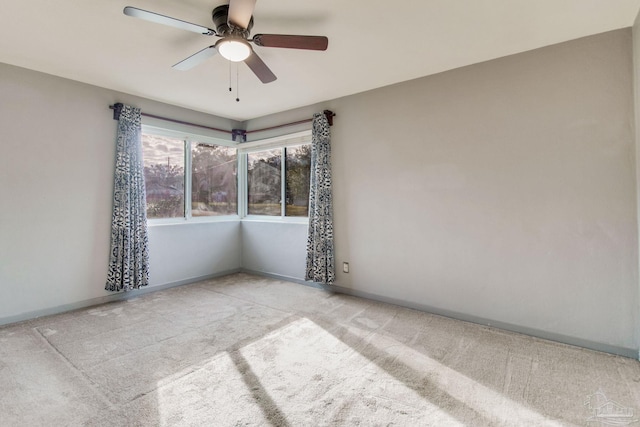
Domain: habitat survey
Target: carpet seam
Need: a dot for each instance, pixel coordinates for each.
(78, 372)
(252, 302)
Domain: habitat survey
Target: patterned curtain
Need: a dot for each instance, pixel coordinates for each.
(129, 257)
(320, 259)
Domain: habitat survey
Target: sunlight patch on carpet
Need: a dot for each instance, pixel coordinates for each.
(314, 372)
(315, 375)
(216, 394)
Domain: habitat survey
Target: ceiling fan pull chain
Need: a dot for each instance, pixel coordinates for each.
(230, 76)
(237, 83)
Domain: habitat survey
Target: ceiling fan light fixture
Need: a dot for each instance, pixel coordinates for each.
(234, 49)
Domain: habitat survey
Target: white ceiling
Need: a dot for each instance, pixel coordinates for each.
(371, 44)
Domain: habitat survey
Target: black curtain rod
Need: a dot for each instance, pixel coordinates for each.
(118, 107)
(330, 115)
(235, 133)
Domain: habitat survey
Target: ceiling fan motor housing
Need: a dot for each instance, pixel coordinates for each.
(220, 17)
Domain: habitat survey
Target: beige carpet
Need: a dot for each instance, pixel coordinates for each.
(245, 350)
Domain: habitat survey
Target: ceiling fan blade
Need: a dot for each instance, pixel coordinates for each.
(240, 12)
(259, 68)
(167, 20)
(196, 59)
(291, 42)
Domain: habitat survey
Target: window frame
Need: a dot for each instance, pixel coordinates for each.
(190, 139)
(279, 142)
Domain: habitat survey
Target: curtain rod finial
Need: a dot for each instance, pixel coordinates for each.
(117, 109)
(330, 115)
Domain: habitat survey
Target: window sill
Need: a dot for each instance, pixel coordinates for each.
(194, 220)
(277, 219)
(227, 218)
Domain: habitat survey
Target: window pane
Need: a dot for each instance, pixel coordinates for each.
(214, 188)
(164, 176)
(297, 166)
(263, 182)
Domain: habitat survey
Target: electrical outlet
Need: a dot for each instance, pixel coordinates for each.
(345, 267)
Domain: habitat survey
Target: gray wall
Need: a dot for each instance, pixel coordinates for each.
(186, 252)
(57, 140)
(275, 248)
(503, 191)
(636, 83)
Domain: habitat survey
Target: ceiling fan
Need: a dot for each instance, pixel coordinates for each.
(233, 23)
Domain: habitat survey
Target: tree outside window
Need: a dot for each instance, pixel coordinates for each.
(212, 178)
(264, 181)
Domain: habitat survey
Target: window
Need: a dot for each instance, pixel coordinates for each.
(211, 181)
(276, 187)
(264, 184)
(197, 177)
(164, 176)
(297, 167)
(214, 180)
